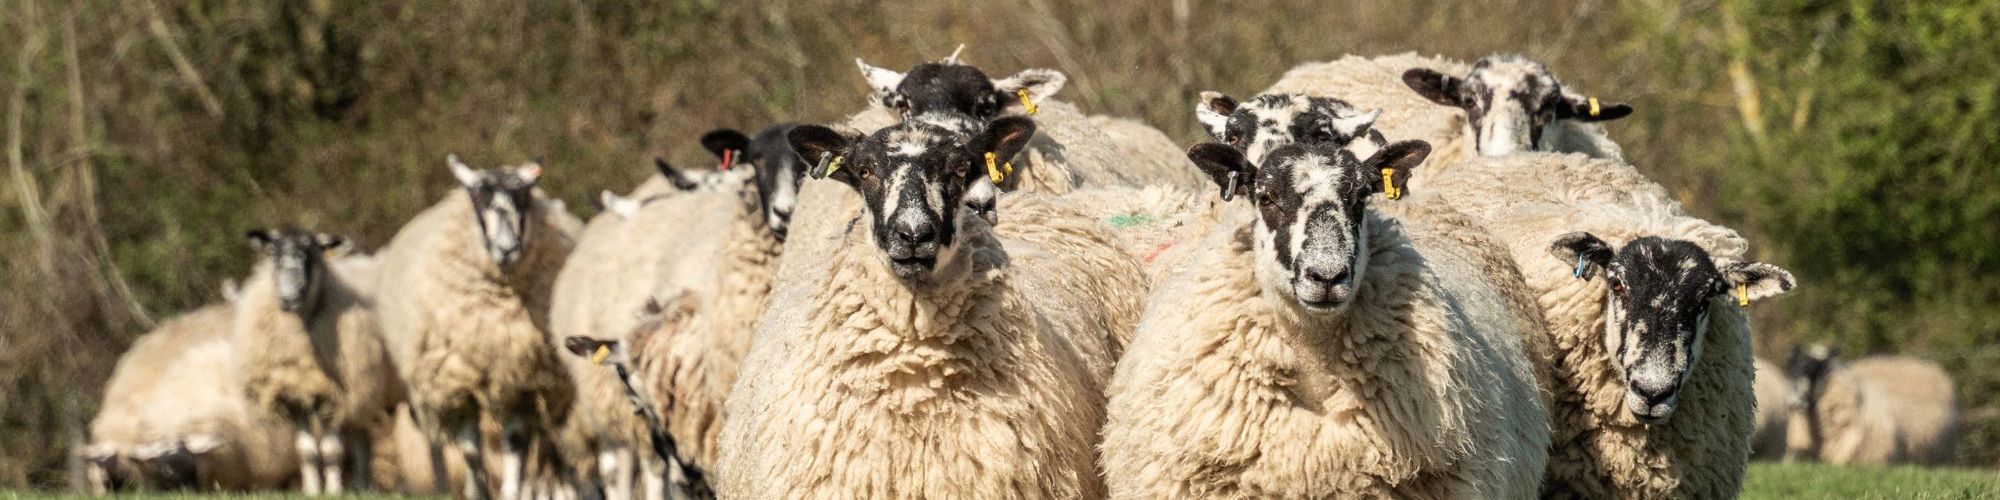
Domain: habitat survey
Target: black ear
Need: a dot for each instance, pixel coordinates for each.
(1438, 87)
(727, 144)
(1233, 174)
(673, 175)
(822, 147)
(261, 238)
(585, 347)
(1398, 159)
(1584, 250)
(1589, 109)
(1004, 138)
(1213, 111)
(331, 244)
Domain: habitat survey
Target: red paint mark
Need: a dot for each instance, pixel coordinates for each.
(1156, 253)
(728, 157)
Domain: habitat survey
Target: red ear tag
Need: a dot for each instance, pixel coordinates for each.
(728, 159)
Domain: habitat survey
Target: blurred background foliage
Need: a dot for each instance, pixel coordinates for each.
(1853, 140)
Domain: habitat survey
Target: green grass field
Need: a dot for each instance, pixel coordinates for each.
(1766, 481)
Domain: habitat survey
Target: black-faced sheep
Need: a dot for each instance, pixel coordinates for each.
(312, 354)
(1876, 410)
(938, 356)
(463, 297)
(1324, 348)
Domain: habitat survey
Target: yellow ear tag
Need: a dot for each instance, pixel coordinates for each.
(1389, 186)
(1743, 295)
(997, 173)
(1593, 107)
(1025, 102)
(603, 351)
(834, 166)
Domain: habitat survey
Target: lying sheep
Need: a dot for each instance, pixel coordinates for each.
(174, 416)
(1877, 410)
(463, 301)
(1336, 364)
(1661, 335)
(1767, 438)
(940, 356)
(312, 355)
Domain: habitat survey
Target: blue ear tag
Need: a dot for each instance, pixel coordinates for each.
(1580, 266)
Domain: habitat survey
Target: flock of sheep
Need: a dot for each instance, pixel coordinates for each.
(1442, 281)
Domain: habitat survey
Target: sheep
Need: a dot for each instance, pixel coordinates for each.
(1673, 344)
(939, 355)
(311, 353)
(173, 415)
(1240, 363)
(1398, 88)
(1877, 410)
(1147, 149)
(671, 181)
(1767, 439)
(689, 480)
(463, 303)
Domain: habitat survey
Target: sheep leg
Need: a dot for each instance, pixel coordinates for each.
(512, 435)
(333, 457)
(359, 461)
(475, 468)
(612, 474)
(654, 473)
(309, 465)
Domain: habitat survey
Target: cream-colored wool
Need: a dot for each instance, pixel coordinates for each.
(1421, 389)
(1070, 151)
(1767, 439)
(1377, 83)
(1880, 410)
(986, 383)
(180, 382)
(467, 336)
(1151, 152)
(1158, 225)
(330, 367)
(1527, 200)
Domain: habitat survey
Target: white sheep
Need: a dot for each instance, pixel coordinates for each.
(672, 181)
(1327, 348)
(938, 356)
(1651, 369)
(312, 355)
(1877, 410)
(174, 415)
(463, 300)
(1767, 438)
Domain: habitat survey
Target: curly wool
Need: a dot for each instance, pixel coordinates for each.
(1158, 225)
(467, 336)
(1225, 393)
(985, 383)
(179, 382)
(1600, 451)
(331, 366)
(1880, 410)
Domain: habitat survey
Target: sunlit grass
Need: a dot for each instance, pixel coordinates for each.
(1775, 480)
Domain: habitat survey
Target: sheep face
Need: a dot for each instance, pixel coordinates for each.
(1659, 294)
(913, 178)
(1509, 100)
(298, 259)
(1806, 370)
(501, 202)
(1271, 121)
(949, 86)
(778, 170)
(1311, 231)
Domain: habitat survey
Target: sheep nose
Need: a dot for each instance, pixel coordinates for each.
(1325, 276)
(782, 211)
(920, 232)
(1654, 396)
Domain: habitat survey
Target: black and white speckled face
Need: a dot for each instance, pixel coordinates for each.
(298, 261)
(778, 169)
(1659, 295)
(913, 178)
(1806, 372)
(1509, 100)
(1311, 235)
(950, 86)
(1271, 121)
(502, 200)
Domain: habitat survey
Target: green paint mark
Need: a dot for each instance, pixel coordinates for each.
(1129, 220)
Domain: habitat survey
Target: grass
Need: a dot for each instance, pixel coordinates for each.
(1775, 480)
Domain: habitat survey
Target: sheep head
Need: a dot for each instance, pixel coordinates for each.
(1311, 235)
(1658, 295)
(1271, 121)
(948, 85)
(298, 259)
(1806, 370)
(915, 176)
(1509, 100)
(502, 200)
(777, 169)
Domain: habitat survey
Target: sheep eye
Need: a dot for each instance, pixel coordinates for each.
(1234, 137)
(1322, 135)
(1617, 286)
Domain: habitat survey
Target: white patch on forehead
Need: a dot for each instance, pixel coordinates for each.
(910, 149)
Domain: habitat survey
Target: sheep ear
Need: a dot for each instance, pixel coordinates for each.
(822, 147)
(1399, 159)
(1575, 107)
(261, 239)
(882, 84)
(1758, 280)
(590, 348)
(1438, 87)
(1233, 174)
(1213, 110)
(1004, 138)
(333, 244)
(1584, 250)
(530, 172)
(467, 176)
(1041, 84)
(726, 144)
(673, 175)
